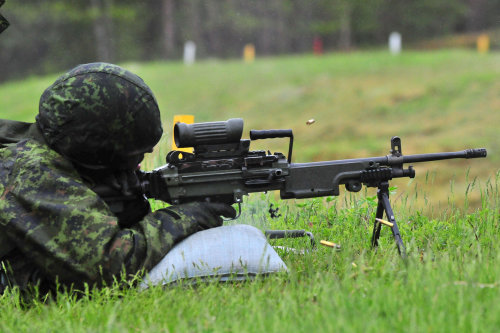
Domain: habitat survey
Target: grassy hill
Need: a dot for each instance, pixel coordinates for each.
(435, 101)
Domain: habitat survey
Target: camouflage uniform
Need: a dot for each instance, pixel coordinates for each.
(3, 22)
(52, 225)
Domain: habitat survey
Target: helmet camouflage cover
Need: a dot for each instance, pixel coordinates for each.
(99, 115)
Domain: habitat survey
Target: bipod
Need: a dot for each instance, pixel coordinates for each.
(385, 206)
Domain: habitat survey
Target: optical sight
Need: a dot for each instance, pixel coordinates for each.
(210, 133)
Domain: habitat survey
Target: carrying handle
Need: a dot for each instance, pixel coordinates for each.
(272, 134)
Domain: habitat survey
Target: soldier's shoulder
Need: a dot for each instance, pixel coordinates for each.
(38, 171)
(32, 152)
(33, 162)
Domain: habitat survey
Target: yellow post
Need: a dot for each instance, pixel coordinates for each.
(182, 118)
(483, 43)
(249, 53)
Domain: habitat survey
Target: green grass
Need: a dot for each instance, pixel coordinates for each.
(449, 283)
(445, 100)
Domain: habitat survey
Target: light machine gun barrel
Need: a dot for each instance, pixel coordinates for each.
(222, 168)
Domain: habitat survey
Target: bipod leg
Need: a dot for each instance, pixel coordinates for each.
(385, 206)
(377, 225)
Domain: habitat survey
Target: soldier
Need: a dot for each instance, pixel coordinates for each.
(94, 125)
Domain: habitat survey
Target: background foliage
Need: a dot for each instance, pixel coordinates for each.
(53, 35)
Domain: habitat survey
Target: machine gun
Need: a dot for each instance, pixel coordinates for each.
(222, 168)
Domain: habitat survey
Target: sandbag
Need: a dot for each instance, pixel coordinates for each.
(227, 253)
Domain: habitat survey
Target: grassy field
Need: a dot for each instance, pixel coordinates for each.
(449, 283)
(446, 100)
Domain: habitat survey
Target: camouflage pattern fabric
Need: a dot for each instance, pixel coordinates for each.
(67, 232)
(100, 114)
(3, 21)
(12, 131)
(4, 24)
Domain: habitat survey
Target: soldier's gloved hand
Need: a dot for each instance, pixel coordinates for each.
(205, 215)
(216, 210)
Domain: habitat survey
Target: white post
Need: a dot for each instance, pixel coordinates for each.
(395, 43)
(189, 52)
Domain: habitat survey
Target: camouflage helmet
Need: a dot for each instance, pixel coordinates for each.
(100, 115)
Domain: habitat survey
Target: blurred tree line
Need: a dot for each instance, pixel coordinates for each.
(53, 35)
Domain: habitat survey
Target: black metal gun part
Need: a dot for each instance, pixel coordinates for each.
(222, 168)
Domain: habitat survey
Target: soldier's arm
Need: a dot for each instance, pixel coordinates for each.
(70, 233)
